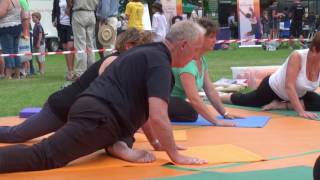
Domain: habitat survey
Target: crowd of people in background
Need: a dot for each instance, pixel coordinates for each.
(86, 25)
(288, 22)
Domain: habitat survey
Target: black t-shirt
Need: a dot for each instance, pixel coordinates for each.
(136, 75)
(297, 11)
(61, 101)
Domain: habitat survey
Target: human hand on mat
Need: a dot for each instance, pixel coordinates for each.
(187, 160)
(308, 115)
(232, 116)
(225, 123)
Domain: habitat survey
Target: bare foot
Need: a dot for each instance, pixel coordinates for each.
(275, 104)
(122, 151)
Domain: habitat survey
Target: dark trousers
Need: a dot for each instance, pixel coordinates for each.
(180, 110)
(91, 126)
(316, 170)
(261, 96)
(264, 95)
(296, 29)
(35, 126)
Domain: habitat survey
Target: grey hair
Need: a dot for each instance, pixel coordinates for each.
(185, 30)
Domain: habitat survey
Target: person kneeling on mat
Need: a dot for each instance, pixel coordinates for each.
(292, 86)
(133, 91)
(55, 111)
(192, 78)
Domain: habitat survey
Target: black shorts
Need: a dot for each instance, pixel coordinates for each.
(65, 33)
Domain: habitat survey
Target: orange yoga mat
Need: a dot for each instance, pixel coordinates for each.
(179, 135)
(218, 154)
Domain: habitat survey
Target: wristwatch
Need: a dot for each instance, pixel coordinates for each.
(225, 114)
(155, 143)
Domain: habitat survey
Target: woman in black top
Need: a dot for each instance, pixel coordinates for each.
(55, 111)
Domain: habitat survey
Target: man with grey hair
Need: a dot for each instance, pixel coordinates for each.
(132, 92)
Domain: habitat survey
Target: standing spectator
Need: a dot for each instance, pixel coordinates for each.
(26, 35)
(11, 16)
(134, 12)
(194, 16)
(233, 25)
(107, 13)
(159, 22)
(273, 15)
(1, 64)
(265, 25)
(312, 20)
(296, 13)
(38, 40)
(61, 20)
(83, 26)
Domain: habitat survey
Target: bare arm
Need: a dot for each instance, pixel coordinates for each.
(293, 69)
(106, 63)
(69, 7)
(4, 6)
(153, 140)
(213, 95)
(158, 117)
(242, 12)
(189, 85)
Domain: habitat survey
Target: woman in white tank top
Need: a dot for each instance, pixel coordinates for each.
(292, 86)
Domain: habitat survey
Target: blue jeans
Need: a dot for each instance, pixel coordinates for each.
(9, 39)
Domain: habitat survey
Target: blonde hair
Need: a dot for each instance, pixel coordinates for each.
(134, 36)
(315, 43)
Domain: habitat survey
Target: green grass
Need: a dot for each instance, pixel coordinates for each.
(32, 92)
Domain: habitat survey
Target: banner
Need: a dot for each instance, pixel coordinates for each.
(249, 20)
(169, 8)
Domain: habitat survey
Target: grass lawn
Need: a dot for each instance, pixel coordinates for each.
(32, 92)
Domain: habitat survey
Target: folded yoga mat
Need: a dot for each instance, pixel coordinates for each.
(29, 111)
(217, 154)
(280, 112)
(248, 122)
(292, 173)
(179, 135)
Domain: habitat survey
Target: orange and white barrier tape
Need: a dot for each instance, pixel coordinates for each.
(103, 50)
(259, 40)
(56, 53)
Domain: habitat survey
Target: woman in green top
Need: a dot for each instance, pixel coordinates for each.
(193, 78)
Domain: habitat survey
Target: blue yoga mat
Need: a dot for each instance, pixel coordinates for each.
(29, 111)
(248, 122)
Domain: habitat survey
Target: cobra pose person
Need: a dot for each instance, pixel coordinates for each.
(194, 77)
(55, 111)
(292, 86)
(133, 91)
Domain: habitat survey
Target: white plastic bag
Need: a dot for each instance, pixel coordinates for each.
(24, 47)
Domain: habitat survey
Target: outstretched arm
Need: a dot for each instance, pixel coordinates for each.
(189, 86)
(158, 117)
(293, 69)
(242, 12)
(214, 98)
